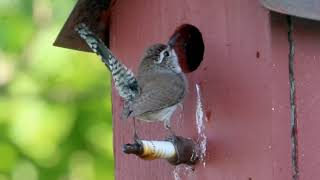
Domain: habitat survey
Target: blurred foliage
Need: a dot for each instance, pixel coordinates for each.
(55, 112)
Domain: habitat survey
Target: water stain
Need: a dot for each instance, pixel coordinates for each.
(187, 170)
(202, 138)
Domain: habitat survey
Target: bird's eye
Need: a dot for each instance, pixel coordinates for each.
(163, 56)
(166, 54)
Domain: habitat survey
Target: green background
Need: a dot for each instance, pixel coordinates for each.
(55, 104)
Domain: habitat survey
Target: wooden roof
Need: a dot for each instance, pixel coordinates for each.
(94, 13)
(309, 9)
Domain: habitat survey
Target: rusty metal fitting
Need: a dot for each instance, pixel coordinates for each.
(175, 149)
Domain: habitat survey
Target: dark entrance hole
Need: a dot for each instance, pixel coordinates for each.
(189, 47)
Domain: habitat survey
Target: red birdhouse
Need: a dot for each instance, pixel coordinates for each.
(253, 102)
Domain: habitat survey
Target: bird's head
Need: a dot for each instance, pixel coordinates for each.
(183, 52)
(168, 56)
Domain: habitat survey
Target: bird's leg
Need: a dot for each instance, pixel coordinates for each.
(172, 136)
(135, 135)
(168, 127)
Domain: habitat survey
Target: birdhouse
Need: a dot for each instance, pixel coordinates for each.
(253, 102)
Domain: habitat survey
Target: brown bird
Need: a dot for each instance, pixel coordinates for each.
(160, 85)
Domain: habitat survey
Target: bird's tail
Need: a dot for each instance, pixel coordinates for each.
(124, 80)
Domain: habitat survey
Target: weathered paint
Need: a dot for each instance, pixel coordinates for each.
(202, 139)
(243, 80)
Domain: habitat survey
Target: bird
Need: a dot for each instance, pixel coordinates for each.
(156, 91)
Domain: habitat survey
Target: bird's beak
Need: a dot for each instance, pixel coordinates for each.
(172, 41)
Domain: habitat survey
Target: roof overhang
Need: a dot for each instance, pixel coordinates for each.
(309, 9)
(95, 14)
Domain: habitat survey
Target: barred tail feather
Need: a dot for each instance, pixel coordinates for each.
(124, 80)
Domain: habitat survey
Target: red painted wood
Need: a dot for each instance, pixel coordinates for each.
(280, 98)
(307, 66)
(243, 79)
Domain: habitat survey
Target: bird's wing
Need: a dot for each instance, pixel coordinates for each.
(158, 91)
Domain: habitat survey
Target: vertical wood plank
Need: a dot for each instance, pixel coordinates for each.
(307, 60)
(281, 146)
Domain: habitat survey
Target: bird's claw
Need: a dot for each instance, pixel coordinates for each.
(172, 138)
(168, 127)
(136, 137)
